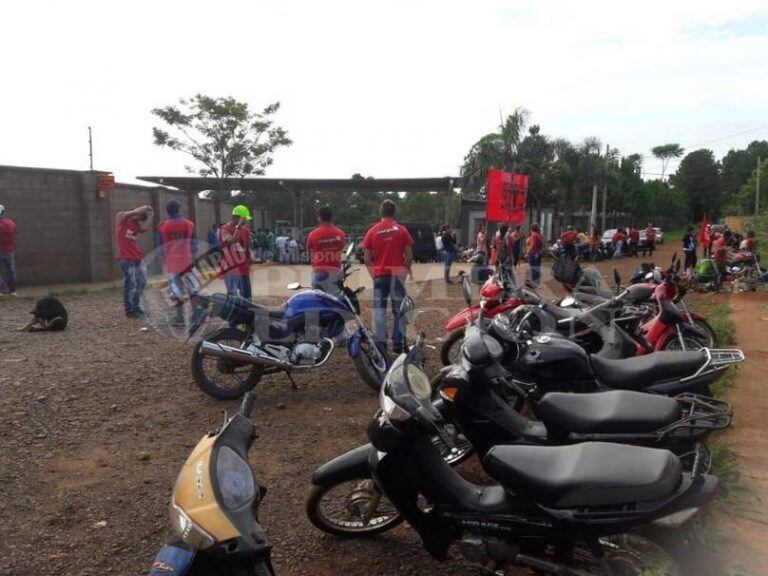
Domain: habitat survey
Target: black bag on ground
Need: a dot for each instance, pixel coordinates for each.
(566, 270)
(480, 273)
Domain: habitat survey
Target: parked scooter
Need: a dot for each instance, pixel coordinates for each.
(298, 336)
(214, 508)
(555, 509)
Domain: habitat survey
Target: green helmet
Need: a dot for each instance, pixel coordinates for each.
(242, 211)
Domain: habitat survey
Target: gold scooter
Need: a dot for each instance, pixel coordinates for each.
(214, 508)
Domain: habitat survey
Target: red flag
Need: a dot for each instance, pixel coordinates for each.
(506, 194)
(703, 232)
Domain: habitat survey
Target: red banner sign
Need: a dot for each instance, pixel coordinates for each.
(105, 182)
(506, 193)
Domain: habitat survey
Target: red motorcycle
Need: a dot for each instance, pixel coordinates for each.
(497, 295)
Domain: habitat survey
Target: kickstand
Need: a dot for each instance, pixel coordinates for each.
(293, 382)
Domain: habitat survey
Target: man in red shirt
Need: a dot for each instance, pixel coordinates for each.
(128, 226)
(326, 243)
(178, 246)
(634, 241)
(569, 242)
(534, 247)
(388, 257)
(720, 255)
(619, 239)
(235, 239)
(7, 248)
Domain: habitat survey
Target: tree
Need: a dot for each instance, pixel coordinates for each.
(223, 135)
(494, 150)
(698, 177)
(738, 165)
(665, 153)
(536, 155)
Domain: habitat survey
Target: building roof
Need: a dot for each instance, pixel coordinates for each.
(197, 184)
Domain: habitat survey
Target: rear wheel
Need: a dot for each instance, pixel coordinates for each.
(221, 378)
(450, 349)
(704, 333)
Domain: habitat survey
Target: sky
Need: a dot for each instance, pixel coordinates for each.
(386, 89)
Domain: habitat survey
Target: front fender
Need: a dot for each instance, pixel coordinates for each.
(460, 319)
(348, 466)
(353, 344)
(174, 558)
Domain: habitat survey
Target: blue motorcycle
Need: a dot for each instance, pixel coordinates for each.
(300, 335)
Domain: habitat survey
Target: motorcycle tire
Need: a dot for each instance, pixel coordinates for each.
(709, 337)
(213, 388)
(449, 342)
(368, 372)
(321, 522)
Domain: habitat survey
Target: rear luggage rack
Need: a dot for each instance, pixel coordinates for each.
(701, 414)
(717, 359)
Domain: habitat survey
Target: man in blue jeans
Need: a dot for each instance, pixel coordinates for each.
(7, 247)
(388, 255)
(128, 226)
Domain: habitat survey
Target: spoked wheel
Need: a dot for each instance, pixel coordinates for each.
(221, 378)
(626, 555)
(351, 508)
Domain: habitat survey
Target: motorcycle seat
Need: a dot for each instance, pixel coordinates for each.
(268, 311)
(640, 371)
(585, 475)
(613, 412)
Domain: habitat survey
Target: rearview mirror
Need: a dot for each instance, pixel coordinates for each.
(293, 285)
(408, 309)
(466, 287)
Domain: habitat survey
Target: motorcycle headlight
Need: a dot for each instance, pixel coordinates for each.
(187, 530)
(419, 383)
(235, 479)
(388, 406)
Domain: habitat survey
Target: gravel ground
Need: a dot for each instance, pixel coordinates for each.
(95, 423)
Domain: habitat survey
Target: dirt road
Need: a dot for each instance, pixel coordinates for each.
(95, 423)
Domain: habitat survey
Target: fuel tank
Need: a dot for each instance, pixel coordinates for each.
(551, 359)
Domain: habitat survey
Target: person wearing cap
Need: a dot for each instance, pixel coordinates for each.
(235, 240)
(178, 245)
(128, 226)
(7, 248)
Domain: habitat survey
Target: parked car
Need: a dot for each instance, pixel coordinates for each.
(607, 239)
(659, 235)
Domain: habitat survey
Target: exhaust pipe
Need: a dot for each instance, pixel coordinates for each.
(252, 356)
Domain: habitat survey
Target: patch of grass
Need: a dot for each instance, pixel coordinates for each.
(675, 236)
(720, 321)
(725, 381)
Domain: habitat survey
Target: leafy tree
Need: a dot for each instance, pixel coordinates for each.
(744, 202)
(536, 155)
(221, 134)
(738, 165)
(698, 177)
(665, 153)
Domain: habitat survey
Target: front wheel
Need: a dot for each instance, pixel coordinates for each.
(703, 332)
(351, 508)
(371, 364)
(690, 342)
(221, 378)
(450, 349)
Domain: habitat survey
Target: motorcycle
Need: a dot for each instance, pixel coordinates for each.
(298, 336)
(553, 509)
(498, 295)
(214, 509)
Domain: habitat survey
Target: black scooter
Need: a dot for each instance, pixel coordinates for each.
(555, 509)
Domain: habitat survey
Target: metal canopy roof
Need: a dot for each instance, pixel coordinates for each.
(197, 184)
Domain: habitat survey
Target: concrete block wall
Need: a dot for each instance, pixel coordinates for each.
(66, 231)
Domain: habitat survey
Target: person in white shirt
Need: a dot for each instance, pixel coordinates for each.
(482, 246)
(439, 245)
(281, 245)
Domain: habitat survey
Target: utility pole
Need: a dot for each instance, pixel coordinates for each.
(605, 183)
(757, 189)
(90, 146)
(593, 216)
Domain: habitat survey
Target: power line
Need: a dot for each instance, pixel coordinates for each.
(729, 136)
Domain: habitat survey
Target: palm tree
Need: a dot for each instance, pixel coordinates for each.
(494, 150)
